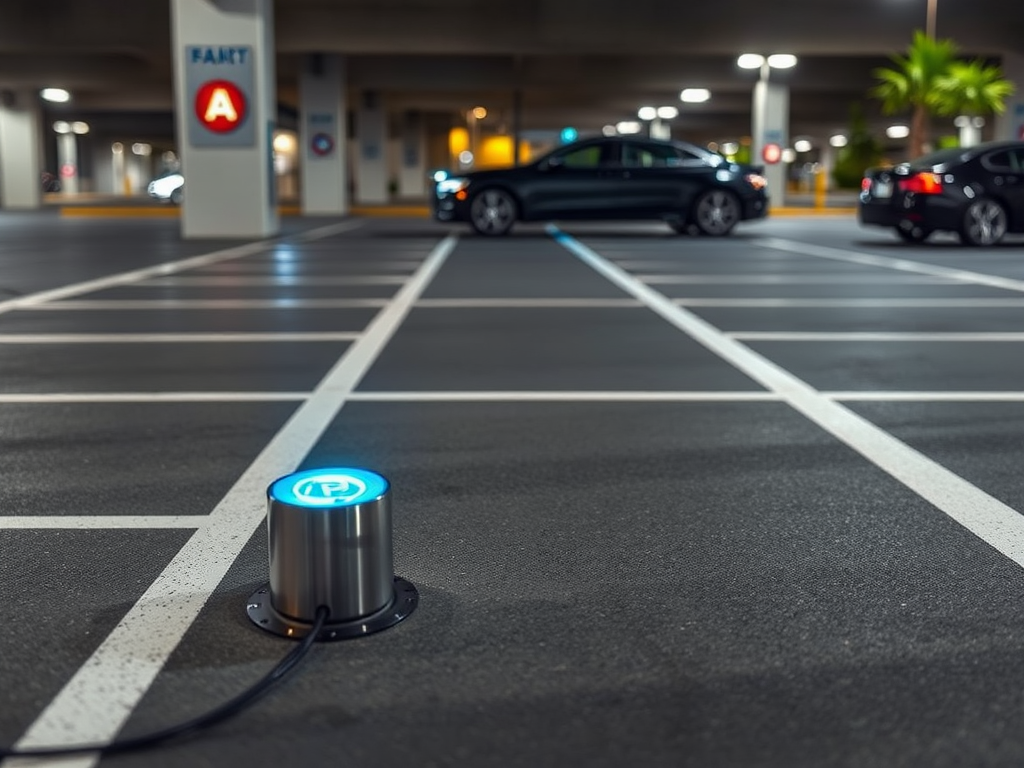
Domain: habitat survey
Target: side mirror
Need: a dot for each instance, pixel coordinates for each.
(553, 164)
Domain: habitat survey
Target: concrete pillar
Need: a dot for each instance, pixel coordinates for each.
(661, 129)
(20, 150)
(371, 140)
(771, 126)
(412, 161)
(322, 135)
(226, 108)
(67, 161)
(1010, 124)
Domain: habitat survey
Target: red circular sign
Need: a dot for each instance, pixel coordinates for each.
(68, 170)
(771, 153)
(220, 106)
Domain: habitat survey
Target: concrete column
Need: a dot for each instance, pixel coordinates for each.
(412, 161)
(226, 108)
(20, 150)
(67, 161)
(322, 135)
(1010, 124)
(771, 126)
(371, 141)
(661, 129)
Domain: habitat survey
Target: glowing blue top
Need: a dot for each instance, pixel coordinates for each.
(329, 487)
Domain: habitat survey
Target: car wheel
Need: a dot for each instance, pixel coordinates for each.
(716, 212)
(177, 195)
(493, 212)
(984, 223)
(911, 233)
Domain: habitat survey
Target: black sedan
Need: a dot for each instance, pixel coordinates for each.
(977, 192)
(609, 178)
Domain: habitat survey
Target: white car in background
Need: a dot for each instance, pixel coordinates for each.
(168, 188)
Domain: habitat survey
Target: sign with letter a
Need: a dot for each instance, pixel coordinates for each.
(219, 83)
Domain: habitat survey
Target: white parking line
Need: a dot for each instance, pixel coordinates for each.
(167, 268)
(801, 279)
(927, 397)
(276, 281)
(562, 397)
(904, 265)
(526, 303)
(1012, 336)
(156, 304)
(864, 303)
(172, 338)
(95, 703)
(44, 398)
(97, 522)
(988, 518)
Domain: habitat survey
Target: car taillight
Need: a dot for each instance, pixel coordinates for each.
(865, 184)
(922, 184)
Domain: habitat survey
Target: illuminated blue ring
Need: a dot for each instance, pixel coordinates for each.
(338, 487)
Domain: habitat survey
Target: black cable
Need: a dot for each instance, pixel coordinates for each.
(221, 713)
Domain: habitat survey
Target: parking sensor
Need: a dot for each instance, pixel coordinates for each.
(330, 546)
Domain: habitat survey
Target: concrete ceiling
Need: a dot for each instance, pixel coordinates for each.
(577, 62)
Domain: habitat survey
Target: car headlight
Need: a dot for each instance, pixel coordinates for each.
(451, 186)
(756, 180)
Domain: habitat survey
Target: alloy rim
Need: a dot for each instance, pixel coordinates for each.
(717, 212)
(986, 223)
(492, 211)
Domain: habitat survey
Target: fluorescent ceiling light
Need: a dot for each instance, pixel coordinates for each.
(694, 95)
(781, 60)
(647, 113)
(668, 113)
(58, 95)
(750, 61)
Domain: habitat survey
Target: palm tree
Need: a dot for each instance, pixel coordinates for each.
(911, 84)
(972, 89)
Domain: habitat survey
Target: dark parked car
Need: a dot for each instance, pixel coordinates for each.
(977, 192)
(609, 178)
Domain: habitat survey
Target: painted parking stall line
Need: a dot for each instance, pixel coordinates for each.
(902, 265)
(173, 338)
(43, 298)
(96, 702)
(989, 519)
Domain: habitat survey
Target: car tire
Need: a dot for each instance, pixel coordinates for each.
(493, 211)
(912, 233)
(984, 223)
(715, 212)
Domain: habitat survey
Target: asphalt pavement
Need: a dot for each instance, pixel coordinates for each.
(746, 502)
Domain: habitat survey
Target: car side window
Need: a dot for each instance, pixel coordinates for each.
(657, 156)
(586, 157)
(1005, 161)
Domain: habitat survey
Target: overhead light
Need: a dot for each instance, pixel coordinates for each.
(694, 95)
(839, 140)
(479, 113)
(627, 127)
(788, 155)
(730, 148)
(609, 130)
(802, 145)
(781, 60)
(897, 131)
(62, 126)
(57, 95)
(142, 149)
(79, 127)
(750, 61)
(647, 113)
(668, 113)
(284, 142)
